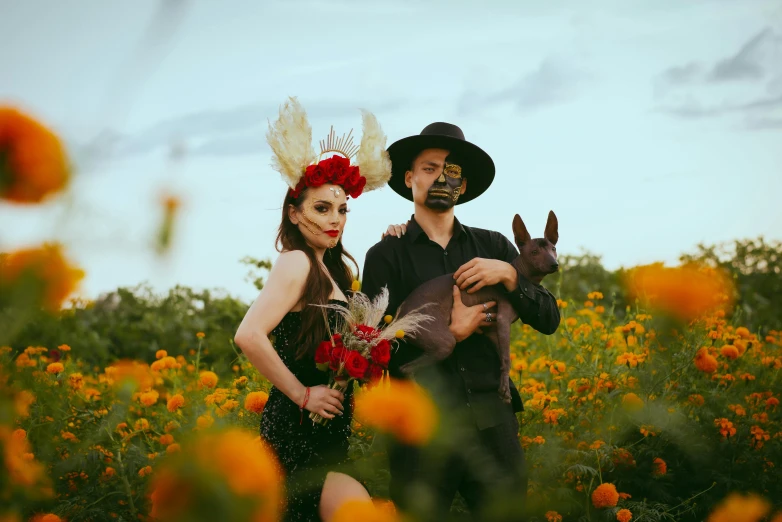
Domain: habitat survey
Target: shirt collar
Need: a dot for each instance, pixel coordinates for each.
(415, 232)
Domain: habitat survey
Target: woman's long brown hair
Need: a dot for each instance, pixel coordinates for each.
(317, 288)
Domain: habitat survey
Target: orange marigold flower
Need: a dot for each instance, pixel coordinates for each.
(553, 516)
(166, 439)
(605, 495)
(208, 379)
(725, 426)
(200, 335)
(705, 362)
(76, 381)
(256, 401)
(402, 408)
(632, 402)
(624, 515)
(772, 402)
(148, 398)
(141, 424)
(33, 164)
(696, 399)
(625, 496)
(160, 354)
(686, 292)
(743, 332)
(173, 448)
(146, 470)
(364, 510)
(109, 472)
(659, 467)
(204, 421)
(730, 351)
(175, 402)
(45, 270)
(48, 517)
(64, 348)
(55, 368)
(739, 508)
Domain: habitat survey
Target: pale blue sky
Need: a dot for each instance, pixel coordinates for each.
(648, 127)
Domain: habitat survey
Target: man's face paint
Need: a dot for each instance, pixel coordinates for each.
(446, 188)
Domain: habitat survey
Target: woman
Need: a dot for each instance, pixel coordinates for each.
(281, 330)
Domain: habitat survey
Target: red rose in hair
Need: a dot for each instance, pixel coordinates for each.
(296, 192)
(337, 356)
(356, 365)
(341, 172)
(323, 353)
(375, 372)
(381, 353)
(315, 176)
(356, 190)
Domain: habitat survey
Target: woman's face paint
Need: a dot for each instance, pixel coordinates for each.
(322, 216)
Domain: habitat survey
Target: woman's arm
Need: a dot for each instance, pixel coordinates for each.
(282, 291)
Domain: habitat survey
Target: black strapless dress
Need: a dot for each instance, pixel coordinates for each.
(306, 451)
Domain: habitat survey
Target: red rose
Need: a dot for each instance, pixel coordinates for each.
(355, 190)
(337, 357)
(375, 373)
(356, 365)
(315, 176)
(341, 172)
(381, 353)
(366, 333)
(296, 192)
(323, 353)
(338, 340)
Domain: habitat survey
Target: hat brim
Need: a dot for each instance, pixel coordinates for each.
(479, 172)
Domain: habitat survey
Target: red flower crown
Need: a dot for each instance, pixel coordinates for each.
(336, 170)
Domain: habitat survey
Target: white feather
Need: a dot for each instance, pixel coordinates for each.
(372, 158)
(290, 138)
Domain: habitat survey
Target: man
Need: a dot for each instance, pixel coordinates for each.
(438, 170)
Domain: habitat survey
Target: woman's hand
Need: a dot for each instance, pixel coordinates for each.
(324, 401)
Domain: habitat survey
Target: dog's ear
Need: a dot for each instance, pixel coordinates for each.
(520, 233)
(552, 228)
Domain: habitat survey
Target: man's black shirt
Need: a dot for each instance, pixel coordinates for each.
(473, 369)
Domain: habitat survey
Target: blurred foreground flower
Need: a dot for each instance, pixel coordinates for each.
(33, 164)
(229, 475)
(365, 511)
(685, 292)
(41, 273)
(739, 508)
(401, 408)
(165, 232)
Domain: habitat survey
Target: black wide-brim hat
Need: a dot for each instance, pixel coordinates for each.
(477, 165)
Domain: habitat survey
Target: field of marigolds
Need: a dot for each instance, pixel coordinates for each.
(658, 399)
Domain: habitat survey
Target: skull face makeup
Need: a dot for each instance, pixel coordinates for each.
(436, 179)
(321, 216)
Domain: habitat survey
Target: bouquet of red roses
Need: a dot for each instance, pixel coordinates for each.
(360, 348)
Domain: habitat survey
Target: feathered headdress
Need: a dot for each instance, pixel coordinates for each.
(290, 138)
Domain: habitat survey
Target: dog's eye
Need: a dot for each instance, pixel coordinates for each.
(554, 248)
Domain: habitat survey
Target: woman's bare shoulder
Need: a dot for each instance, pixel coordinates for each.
(292, 264)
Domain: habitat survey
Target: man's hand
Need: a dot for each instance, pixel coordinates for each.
(486, 272)
(395, 230)
(465, 320)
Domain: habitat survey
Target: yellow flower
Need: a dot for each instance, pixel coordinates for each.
(149, 398)
(76, 381)
(200, 335)
(355, 286)
(204, 421)
(388, 319)
(256, 401)
(55, 368)
(739, 508)
(399, 334)
(33, 164)
(208, 379)
(605, 496)
(403, 409)
(64, 348)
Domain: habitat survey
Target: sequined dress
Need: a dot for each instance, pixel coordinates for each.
(306, 451)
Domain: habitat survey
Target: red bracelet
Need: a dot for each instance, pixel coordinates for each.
(303, 404)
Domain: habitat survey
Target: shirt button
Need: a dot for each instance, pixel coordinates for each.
(445, 253)
(462, 368)
(521, 295)
(469, 390)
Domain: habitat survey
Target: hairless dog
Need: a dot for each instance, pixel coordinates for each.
(537, 258)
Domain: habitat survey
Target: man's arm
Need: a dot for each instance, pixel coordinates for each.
(535, 305)
(379, 272)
